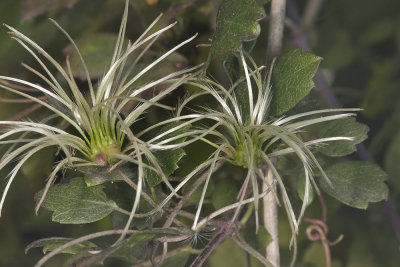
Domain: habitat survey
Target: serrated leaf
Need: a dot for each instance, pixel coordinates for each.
(236, 22)
(292, 79)
(167, 159)
(346, 127)
(356, 183)
(50, 244)
(75, 203)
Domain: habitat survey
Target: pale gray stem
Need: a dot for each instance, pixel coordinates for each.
(276, 25)
(275, 36)
(271, 221)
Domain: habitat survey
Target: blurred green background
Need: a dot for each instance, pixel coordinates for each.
(359, 41)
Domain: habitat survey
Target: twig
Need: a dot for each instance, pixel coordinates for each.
(227, 229)
(271, 221)
(275, 36)
(249, 249)
(182, 202)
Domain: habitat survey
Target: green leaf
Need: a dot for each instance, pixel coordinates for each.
(97, 51)
(178, 259)
(167, 159)
(50, 244)
(236, 22)
(391, 162)
(75, 203)
(346, 127)
(301, 187)
(257, 241)
(356, 183)
(242, 96)
(224, 194)
(292, 79)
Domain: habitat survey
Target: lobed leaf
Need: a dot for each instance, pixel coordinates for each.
(236, 22)
(346, 127)
(356, 183)
(75, 203)
(292, 79)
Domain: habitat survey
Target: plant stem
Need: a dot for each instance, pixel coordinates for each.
(249, 249)
(271, 221)
(227, 228)
(275, 36)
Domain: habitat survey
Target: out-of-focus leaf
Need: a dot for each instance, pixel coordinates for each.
(35, 8)
(377, 31)
(348, 128)
(382, 92)
(44, 159)
(224, 193)
(195, 197)
(50, 244)
(314, 256)
(75, 203)
(356, 183)
(391, 161)
(96, 49)
(301, 187)
(292, 79)
(236, 22)
(257, 241)
(167, 159)
(337, 50)
(178, 259)
(386, 132)
(227, 254)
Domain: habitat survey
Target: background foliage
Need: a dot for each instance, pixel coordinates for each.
(359, 42)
